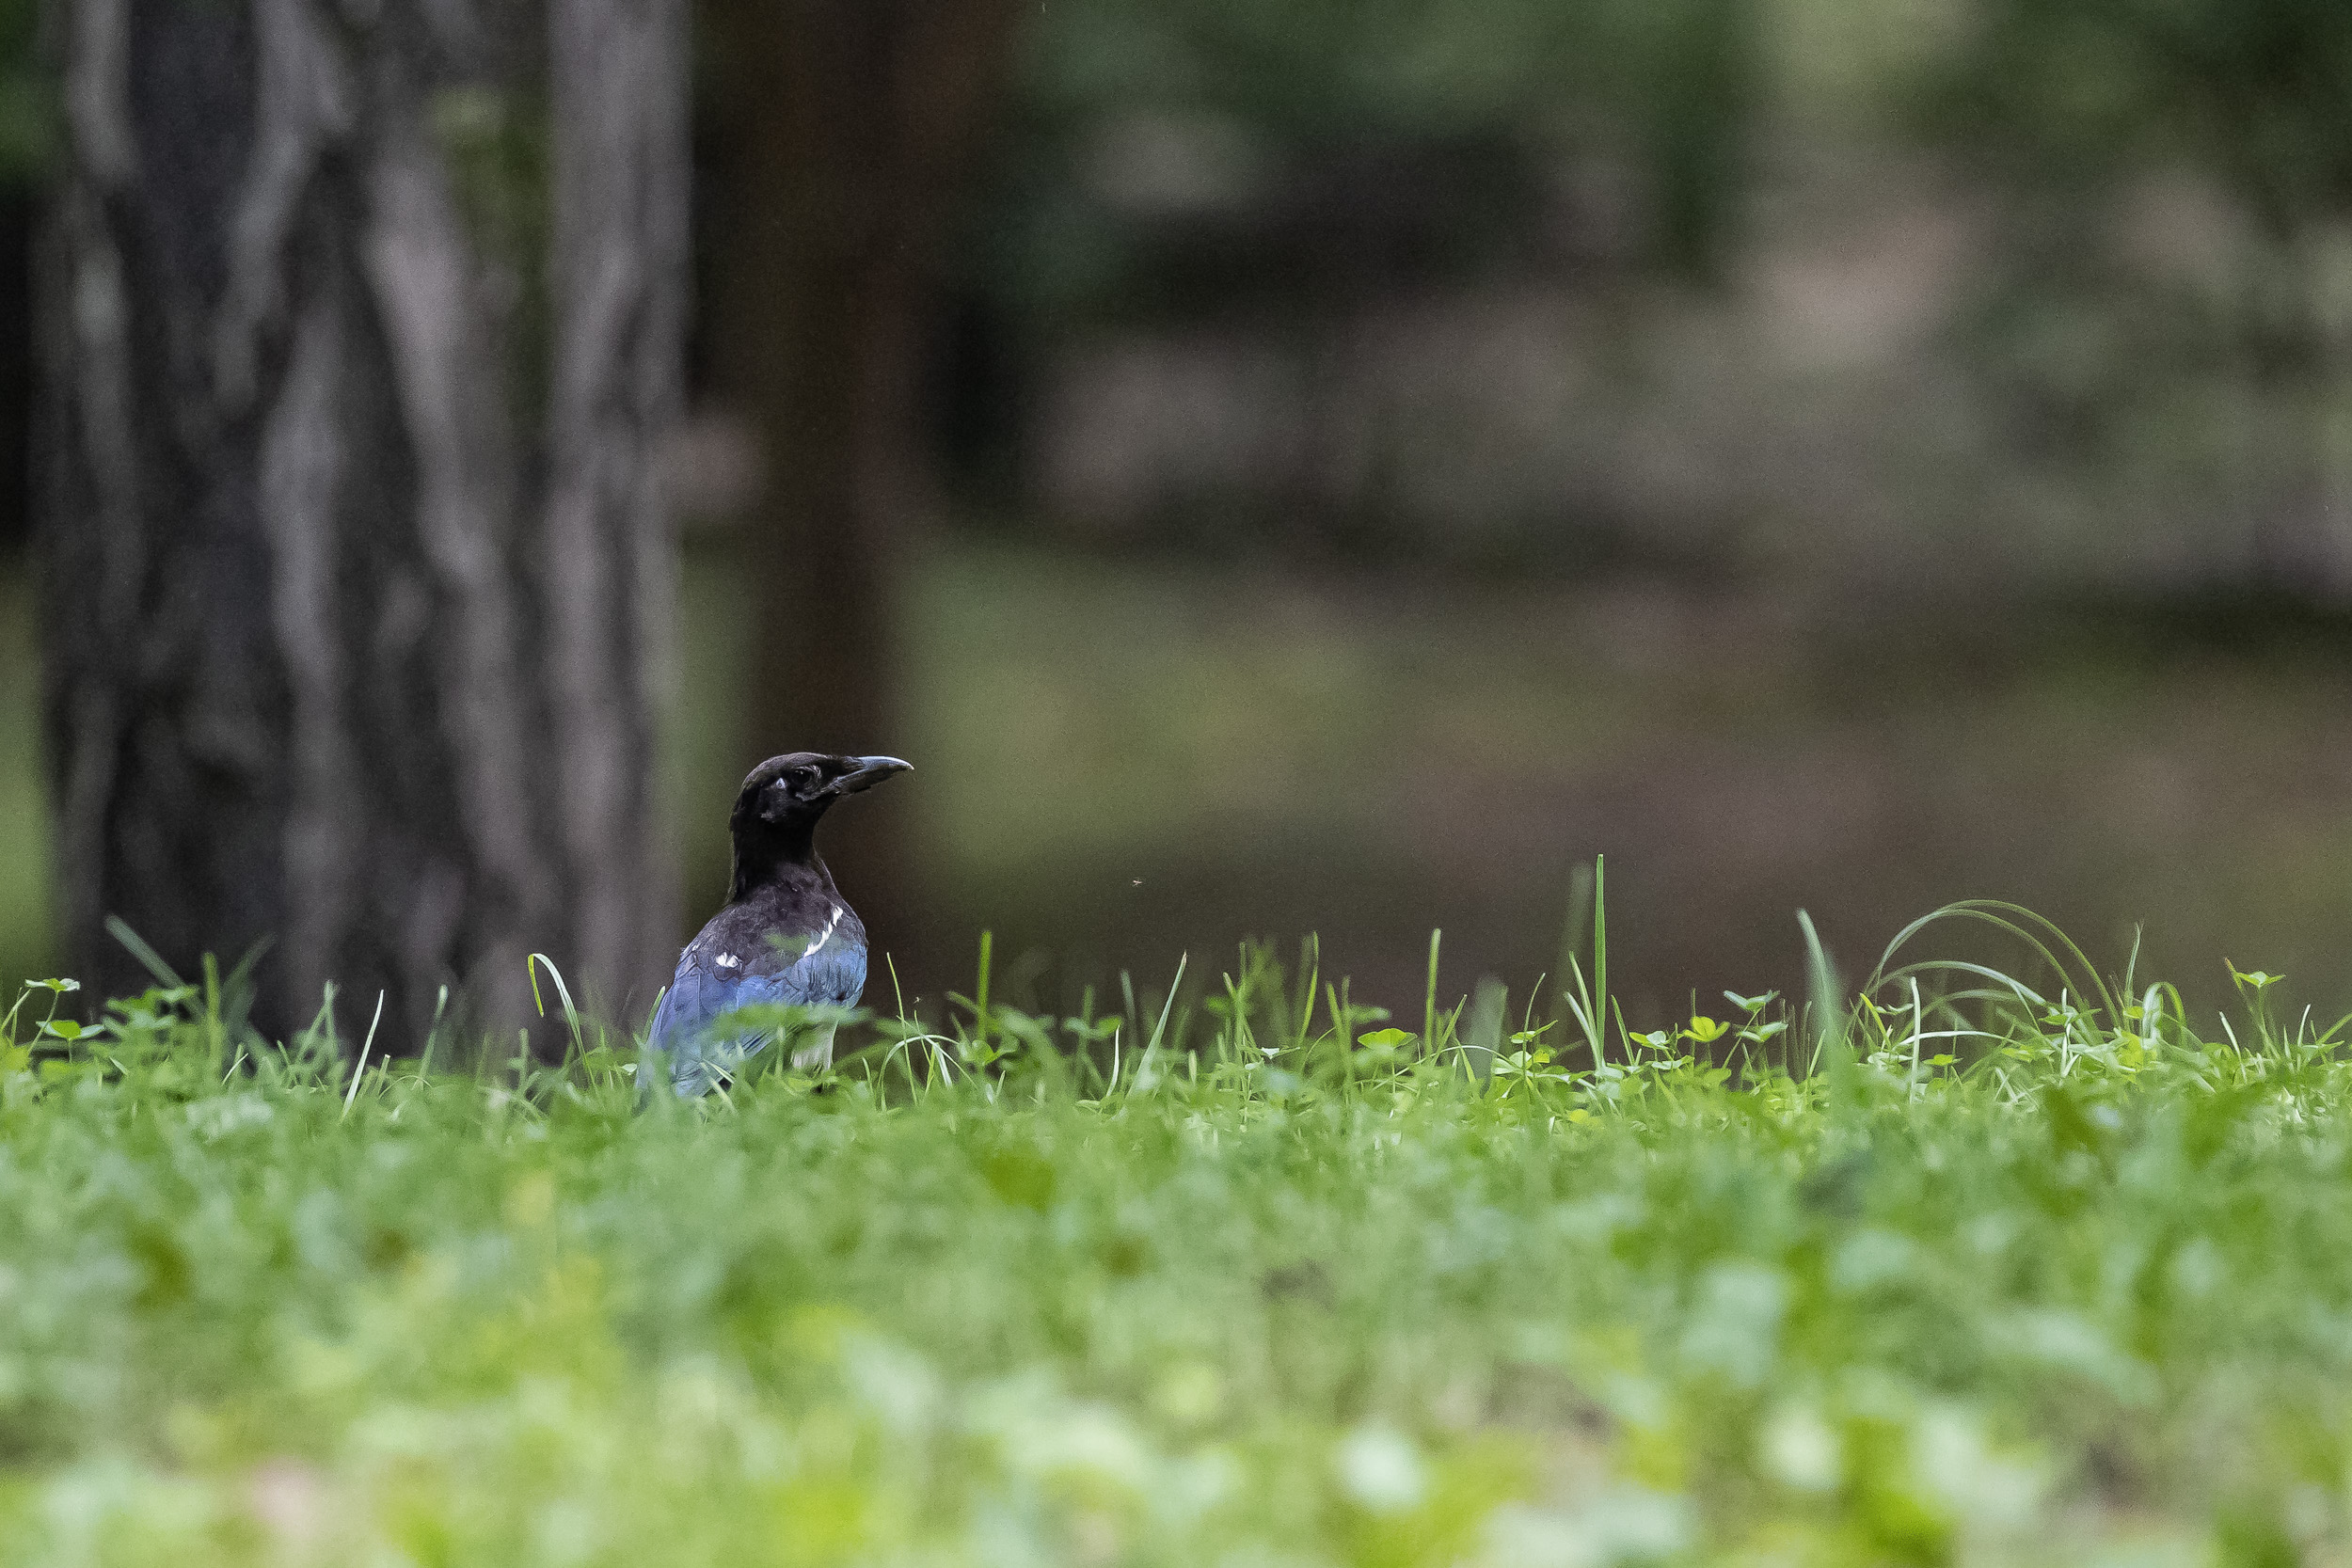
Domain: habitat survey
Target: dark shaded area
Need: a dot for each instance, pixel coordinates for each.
(17, 224)
(835, 136)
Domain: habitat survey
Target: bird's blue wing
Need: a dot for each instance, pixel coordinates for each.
(687, 1031)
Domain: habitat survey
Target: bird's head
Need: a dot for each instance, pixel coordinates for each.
(777, 810)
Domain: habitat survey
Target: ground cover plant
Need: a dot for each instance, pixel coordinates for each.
(1958, 1269)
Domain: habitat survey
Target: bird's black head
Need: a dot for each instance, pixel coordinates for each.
(774, 822)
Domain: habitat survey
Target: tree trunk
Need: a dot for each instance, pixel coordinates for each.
(846, 127)
(362, 324)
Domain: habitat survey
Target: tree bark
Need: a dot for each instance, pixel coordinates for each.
(848, 127)
(362, 324)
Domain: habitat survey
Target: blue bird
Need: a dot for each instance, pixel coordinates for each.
(785, 935)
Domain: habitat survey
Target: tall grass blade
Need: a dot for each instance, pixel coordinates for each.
(149, 958)
(1160, 1029)
(563, 994)
(1600, 932)
(1577, 922)
(359, 1069)
(1429, 998)
(1482, 1042)
(1826, 1007)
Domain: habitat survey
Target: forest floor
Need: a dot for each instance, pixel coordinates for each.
(2052, 1277)
(1121, 758)
(1118, 759)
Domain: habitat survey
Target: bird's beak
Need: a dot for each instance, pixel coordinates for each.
(868, 773)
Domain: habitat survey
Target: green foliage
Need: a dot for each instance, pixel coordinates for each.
(2251, 92)
(1315, 69)
(2042, 1273)
(1663, 93)
(28, 108)
(2206, 353)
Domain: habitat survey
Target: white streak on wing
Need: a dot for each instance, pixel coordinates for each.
(823, 937)
(728, 960)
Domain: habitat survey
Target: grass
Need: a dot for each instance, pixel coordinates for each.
(2050, 1274)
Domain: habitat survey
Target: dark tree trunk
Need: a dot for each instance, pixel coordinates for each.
(848, 127)
(362, 324)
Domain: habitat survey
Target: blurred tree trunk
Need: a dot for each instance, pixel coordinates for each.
(361, 322)
(844, 131)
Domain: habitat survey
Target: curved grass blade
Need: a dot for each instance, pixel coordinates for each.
(2024, 925)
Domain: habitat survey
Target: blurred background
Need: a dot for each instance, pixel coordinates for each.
(1336, 465)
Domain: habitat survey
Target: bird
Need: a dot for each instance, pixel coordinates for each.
(785, 935)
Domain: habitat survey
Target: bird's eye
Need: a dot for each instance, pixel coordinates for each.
(802, 778)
